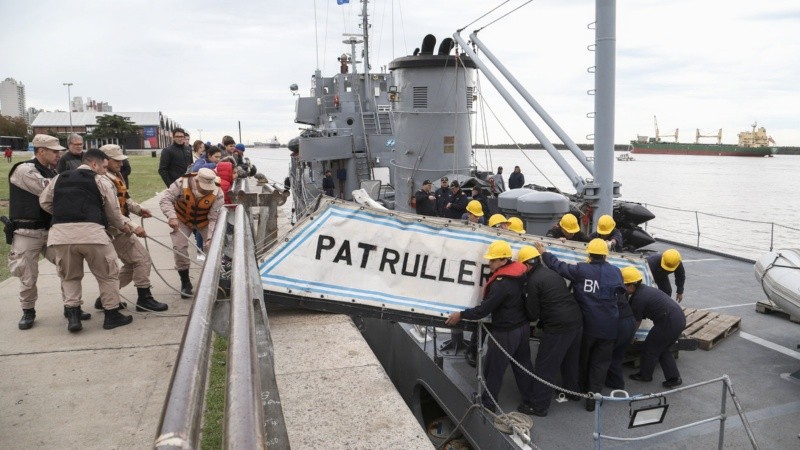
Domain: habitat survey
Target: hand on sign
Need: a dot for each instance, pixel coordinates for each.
(173, 223)
(679, 297)
(453, 319)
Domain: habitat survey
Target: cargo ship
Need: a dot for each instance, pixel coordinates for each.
(751, 143)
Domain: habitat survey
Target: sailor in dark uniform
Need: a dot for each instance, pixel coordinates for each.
(597, 286)
(662, 265)
(549, 301)
(443, 195)
(568, 230)
(668, 323)
(607, 230)
(503, 299)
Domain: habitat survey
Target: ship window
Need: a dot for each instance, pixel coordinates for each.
(470, 93)
(349, 121)
(449, 144)
(420, 99)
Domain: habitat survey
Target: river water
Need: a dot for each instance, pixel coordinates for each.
(740, 205)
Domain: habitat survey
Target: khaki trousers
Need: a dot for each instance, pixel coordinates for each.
(102, 261)
(23, 263)
(136, 261)
(180, 242)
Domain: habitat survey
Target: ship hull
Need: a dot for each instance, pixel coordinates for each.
(698, 149)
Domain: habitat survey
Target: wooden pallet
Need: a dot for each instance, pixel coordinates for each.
(709, 328)
(767, 307)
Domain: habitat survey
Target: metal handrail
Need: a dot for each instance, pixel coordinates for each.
(706, 237)
(727, 388)
(244, 415)
(179, 427)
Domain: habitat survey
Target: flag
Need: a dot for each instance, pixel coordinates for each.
(342, 2)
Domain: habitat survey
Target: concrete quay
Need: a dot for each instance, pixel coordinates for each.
(101, 389)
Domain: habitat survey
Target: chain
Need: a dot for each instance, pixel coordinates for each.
(589, 395)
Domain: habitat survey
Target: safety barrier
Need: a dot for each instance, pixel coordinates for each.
(514, 422)
(253, 412)
(180, 423)
(727, 388)
(718, 233)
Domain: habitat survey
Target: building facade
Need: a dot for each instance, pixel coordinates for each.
(155, 128)
(12, 98)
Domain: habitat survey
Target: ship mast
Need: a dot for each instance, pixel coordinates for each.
(365, 31)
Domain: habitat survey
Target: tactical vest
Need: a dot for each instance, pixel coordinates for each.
(77, 199)
(191, 210)
(24, 207)
(122, 194)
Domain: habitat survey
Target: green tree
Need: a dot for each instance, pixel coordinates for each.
(13, 126)
(114, 126)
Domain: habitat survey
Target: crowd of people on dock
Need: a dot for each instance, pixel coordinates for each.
(75, 206)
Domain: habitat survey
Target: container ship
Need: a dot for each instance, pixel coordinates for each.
(751, 143)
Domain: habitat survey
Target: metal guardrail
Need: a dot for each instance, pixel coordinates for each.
(180, 424)
(727, 388)
(244, 415)
(722, 234)
(253, 412)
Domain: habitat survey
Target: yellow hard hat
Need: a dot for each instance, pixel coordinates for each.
(630, 275)
(516, 225)
(569, 223)
(597, 247)
(670, 260)
(498, 249)
(497, 219)
(527, 252)
(475, 208)
(606, 224)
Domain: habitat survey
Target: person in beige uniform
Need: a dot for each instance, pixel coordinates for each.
(135, 259)
(192, 202)
(83, 202)
(29, 223)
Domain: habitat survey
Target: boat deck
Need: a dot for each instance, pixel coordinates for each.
(758, 358)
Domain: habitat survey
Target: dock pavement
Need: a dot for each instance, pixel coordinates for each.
(105, 389)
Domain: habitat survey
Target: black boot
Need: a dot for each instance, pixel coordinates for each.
(74, 318)
(84, 315)
(28, 316)
(98, 304)
(115, 319)
(146, 302)
(186, 284)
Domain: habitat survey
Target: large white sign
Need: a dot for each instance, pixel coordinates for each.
(398, 261)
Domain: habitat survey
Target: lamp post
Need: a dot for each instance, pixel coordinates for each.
(69, 104)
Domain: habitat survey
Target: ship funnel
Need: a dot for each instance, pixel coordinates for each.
(431, 114)
(428, 44)
(446, 45)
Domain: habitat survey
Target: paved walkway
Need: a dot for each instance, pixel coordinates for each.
(105, 388)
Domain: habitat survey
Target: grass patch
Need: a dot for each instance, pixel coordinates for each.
(215, 396)
(144, 180)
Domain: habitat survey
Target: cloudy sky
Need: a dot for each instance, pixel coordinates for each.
(207, 64)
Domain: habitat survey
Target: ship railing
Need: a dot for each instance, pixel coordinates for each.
(656, 402)
(253, 416)
(730, 236)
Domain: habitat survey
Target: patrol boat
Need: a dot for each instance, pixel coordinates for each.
(399, 274)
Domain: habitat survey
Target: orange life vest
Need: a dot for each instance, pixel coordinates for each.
(122, 194)
(191, 210)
